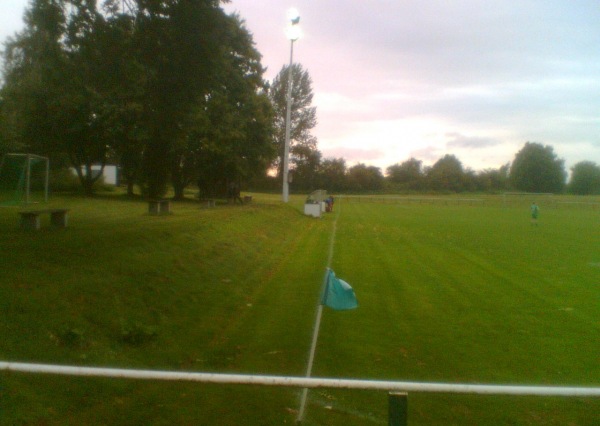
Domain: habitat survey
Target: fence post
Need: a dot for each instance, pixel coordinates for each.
(398, 412)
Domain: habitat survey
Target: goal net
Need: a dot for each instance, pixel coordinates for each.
(23, 179)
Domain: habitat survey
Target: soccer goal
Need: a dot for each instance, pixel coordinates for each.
(23, 179)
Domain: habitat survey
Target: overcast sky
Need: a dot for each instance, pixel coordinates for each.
(395, 79)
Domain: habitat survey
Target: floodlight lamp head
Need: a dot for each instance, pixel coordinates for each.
(293, 16)
(293, 31)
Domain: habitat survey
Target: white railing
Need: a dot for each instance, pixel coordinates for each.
(398, 406)
(301, 382)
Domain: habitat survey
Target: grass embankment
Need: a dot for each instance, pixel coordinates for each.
(447, 293)
(223, 289)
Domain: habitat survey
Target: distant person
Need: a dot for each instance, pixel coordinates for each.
(329, 204)
(234, 193)
(535, 212)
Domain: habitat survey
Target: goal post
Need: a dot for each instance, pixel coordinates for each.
(22, 176)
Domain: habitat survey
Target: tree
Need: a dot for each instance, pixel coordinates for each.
(33, 64)
(332, 174)
(303, 117)
(9, 141)
(306, 163)
(123, 83)
(232, 144)
(230, 132)
(178, 45)
(492, 179)
(84, 104)
(408, 175)
(536, 168)
(365, 178)
(447, 174)
(585, 178)
(58, 80)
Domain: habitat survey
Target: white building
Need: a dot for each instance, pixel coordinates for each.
(110, 173)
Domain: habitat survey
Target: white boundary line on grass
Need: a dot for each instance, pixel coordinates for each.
(317, 326)
(305, 382)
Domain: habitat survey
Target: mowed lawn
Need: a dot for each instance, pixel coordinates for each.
(456, 294)
(469, 294)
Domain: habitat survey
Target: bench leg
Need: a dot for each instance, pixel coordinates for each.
(165, 207)
(153, 207)
(58, 219)
(30, 222)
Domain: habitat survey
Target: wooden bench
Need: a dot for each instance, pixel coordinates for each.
(30, 219)
(159, 206)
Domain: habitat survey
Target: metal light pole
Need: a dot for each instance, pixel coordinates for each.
(293, 33)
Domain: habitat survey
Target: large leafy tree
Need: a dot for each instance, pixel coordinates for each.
(231, 139)
(585, 178)
(306, 167)
(303, 117)
(365, 178)
(34, 64)
(232, 142)
(179, 46)
(536, 168)
(447, 174)
(492, 179)
(124, 82)
(85, 108)
(332, 172)
(409, 174)
(9, 142)
(60, 83)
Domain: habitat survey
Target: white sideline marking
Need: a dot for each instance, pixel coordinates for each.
(317, 326)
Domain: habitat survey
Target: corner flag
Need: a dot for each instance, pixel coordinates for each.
(338, 294)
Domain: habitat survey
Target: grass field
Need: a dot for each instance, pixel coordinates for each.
(456, 293)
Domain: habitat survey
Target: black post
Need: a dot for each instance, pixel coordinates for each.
(398, 415)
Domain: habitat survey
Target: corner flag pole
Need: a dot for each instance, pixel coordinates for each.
(313, 345)
(311, 358)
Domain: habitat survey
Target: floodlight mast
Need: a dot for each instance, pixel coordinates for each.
(293, 34)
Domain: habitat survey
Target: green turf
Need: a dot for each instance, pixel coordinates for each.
(469, 294)
(451, 293)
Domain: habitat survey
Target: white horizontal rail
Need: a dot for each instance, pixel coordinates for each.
(302, 382)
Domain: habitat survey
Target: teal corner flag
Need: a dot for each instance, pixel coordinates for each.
(338, 294)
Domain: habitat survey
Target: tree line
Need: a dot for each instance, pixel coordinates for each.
(173, 92)
(535, 168)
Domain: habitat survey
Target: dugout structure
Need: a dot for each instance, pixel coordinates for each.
(23, 179)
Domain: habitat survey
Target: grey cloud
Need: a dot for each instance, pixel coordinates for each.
(472, 42)
(458, 140)
(353, 155)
